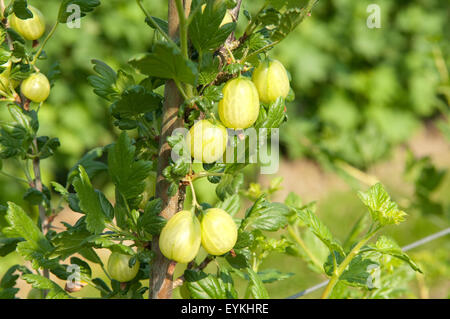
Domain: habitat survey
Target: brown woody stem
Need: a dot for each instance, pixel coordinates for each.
(161, 279)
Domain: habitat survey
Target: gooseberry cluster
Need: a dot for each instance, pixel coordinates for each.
(238, 109)
(207, 140)
(183, 234)
(36, 87)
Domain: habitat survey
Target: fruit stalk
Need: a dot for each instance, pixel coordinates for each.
(161, 279)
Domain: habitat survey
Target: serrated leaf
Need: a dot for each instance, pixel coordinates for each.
(136, 100)
(20, 9)
(257, 288)
(273, 117)
(150, 221)
(229, 185)
(127, 174)
(264, 215)
(205, 31)
(166, 62)
(85, 6)
(8, 245)
(90, 203)
(268, 276)
(21, 225)
(358, 272)
(47, 146)
(388, 246)
(104, 82)
(231, 204)
(103, 242)
(380, 206)
(208, 286)
(319, 229)
(163, 24)
(89, 163)
(39, 282)
(85, 269)
(241, 260)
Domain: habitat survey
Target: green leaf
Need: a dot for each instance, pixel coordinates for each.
(256, 287)
(85, 7)
(107, 207)
(104, 82)
(380, 206)
(268, 276)
(8, 245)
(103, 242)
(264, 215)
(293, 200)
(89, 163)
(205, 31)
(319, 229)
(90, 203)
(231, 204)
(241, 260)
(317, 252)
(288, 22)
(163, 24)
(150, 221)
(121, 210)
(127, 174)
(245, 239)
(47, 146)
(33, 196)
(85, 269)
(273, 117)
(208, 286)
(21, 10)
(358, 272)
(21, 225)
(39, 282)
(229, 185)
(388, 246)
(135, 101)
(9, 279)
(7, 283)
(208, 69)
(167, 62)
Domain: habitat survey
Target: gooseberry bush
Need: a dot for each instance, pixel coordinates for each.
(175, 212)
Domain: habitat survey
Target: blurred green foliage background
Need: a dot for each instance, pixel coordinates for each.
(359, 92)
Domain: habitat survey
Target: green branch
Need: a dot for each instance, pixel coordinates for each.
(183, 29)
(338, 272)
(52, 31)
(155, 24)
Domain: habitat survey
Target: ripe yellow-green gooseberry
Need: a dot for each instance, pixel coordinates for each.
(180, 238)
(219, 231)
(207, 141)
(119, 269)
(36, 87)
(239, 107)
(271, 81)
(30, 29)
